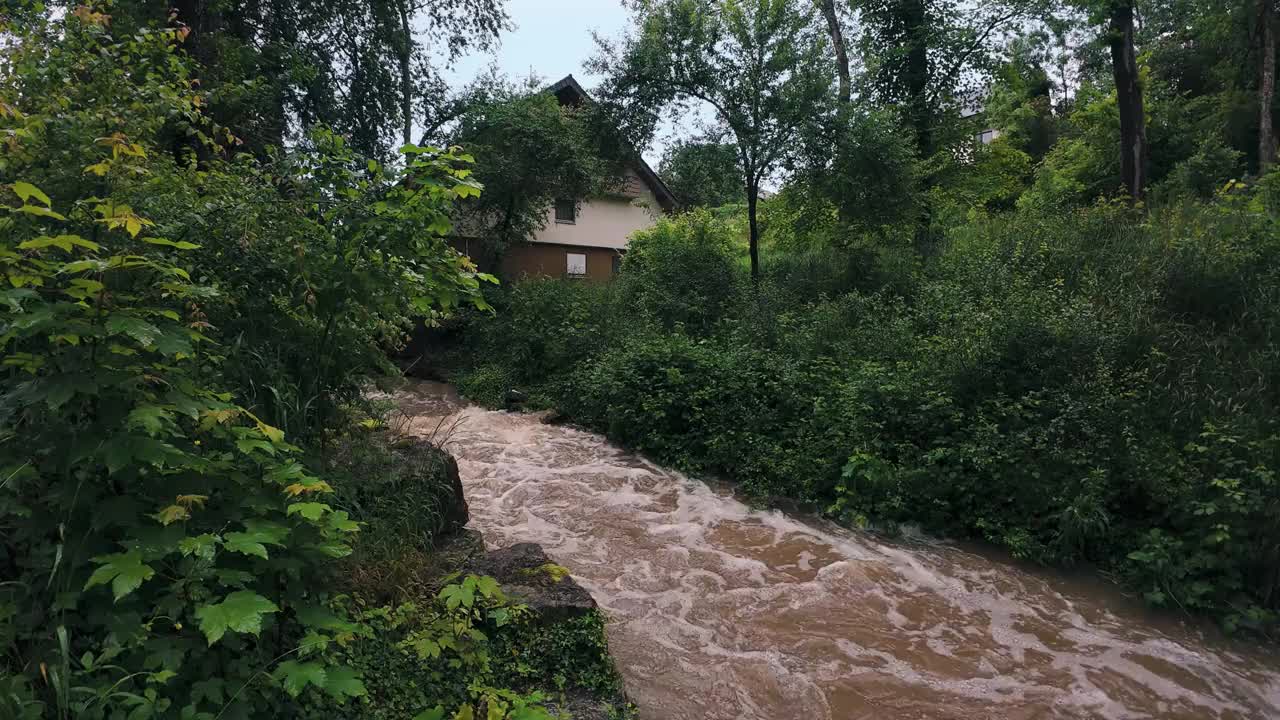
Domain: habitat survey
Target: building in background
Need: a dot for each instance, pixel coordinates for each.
(586, 237)
(984, 134)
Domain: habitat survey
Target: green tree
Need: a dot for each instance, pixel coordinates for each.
(762, 67)
(152, 528)
(1116, 18)
(931, 57)
(368, 69)
(702, 174)
(861, 162)
(451, 27)
(1020, 103)
(164, 546)
(530, 152)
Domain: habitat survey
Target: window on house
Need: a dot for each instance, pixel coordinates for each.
(986, 136)
(617, 263)
(566, 211)
(576, 265)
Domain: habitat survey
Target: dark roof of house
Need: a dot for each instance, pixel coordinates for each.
(569, 92)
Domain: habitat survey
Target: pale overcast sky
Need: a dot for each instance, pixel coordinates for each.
(552, 38)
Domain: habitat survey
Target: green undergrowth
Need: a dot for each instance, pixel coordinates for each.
(419, 635)
(194, 503)
(1075, 385)
(565, 655)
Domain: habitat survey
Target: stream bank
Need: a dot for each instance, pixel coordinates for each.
(717, 610)
(540, 632)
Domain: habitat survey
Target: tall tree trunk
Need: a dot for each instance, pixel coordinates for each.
(1133, 128)
(915, 19)
(406, 70)
(753, 242)
(1266, 84)
(837, 42)
(190, 13)
(275, 120)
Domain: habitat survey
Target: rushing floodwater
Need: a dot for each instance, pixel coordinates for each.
(720, 611)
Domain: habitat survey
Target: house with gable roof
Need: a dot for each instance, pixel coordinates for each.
(587, 237)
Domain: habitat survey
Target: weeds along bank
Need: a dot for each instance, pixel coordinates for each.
(1082, 385)
(196, 504)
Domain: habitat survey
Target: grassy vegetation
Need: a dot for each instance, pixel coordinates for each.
(1089, 385)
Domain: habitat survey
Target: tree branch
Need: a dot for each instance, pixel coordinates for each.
(968, 52)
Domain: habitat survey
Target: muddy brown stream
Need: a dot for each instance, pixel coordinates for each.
(717, 610)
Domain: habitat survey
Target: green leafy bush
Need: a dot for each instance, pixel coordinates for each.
(154, 530)
(341, 275)
(487, 385)
(1087, 385)
(563, 655)
(681, 273)
(166, 552)
(423, 660)
(541, 327)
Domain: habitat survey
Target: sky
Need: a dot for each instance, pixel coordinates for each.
(552, 38)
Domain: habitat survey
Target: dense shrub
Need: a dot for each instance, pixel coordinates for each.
(1086, 385)
(165, 551)
(419, 658)
(543, 326)
(693, 299)
(811, 274)
(340, 269)
(486, 384)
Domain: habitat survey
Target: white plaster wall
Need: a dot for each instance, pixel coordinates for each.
(604, 222)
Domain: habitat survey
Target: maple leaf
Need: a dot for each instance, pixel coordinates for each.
(241, 611)
(125, 571)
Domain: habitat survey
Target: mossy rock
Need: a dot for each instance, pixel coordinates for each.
(527, 574)
(569, 658)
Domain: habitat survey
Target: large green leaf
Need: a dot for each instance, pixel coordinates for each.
(26, 191)
(125, 451)
(461, 594)
(151, 419)
(39, 211)
(332, 549)
(340, 521)
(137, 328)
(66, 243)
(241, 611)
(125, 571)
(344, 682)
(256, 536)
(181, 244)
(487, 586)
(202, 546)
(296, 676)
(173, 342)
(308, 510)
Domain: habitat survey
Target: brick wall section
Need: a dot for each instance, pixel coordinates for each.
(547, 260)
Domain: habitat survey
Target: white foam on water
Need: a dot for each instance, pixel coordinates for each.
(718, 610)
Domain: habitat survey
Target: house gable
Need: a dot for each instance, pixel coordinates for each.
(569, 92)
(585, 237)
